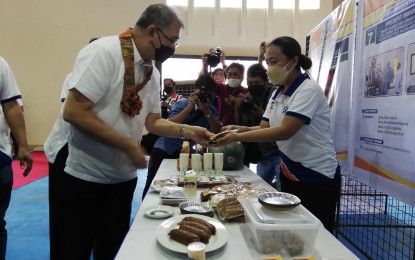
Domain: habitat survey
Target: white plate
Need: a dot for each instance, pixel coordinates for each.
(159, 211)
(216, 241)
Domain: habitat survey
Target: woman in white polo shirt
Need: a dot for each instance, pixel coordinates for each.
(298, 119)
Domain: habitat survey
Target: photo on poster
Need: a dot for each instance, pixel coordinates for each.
(384, 74)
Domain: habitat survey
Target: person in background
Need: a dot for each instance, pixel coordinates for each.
(196, 110)
(298, 118)
(248, 112)
(262, 51)
(56, 151)
(114, 91)
(397, 80)
(13, 138)
(227, 94)
(219, 75)
(170, 97)
(12, 114)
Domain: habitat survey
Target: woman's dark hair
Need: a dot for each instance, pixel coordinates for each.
(291, 48)
(257, 70)
(206, 81)
(160, 15)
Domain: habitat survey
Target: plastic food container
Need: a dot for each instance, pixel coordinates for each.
(172, 195)
(293, 231)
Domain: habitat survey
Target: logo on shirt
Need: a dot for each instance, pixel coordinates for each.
(285, 109)
(272, 104)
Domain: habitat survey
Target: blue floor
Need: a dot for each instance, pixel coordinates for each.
(28, 219)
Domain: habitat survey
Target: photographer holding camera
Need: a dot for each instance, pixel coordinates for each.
(169, 97)
(197, 110)
(229, 93)
(248, 112)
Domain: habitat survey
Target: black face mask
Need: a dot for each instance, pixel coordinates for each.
(168, 90)
(256, 90)
(163, 53)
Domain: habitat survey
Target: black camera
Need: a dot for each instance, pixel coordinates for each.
(203, 95)
(214, 57)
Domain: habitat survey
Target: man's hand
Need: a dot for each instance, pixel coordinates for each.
(225, 138)
(165, 104)
(231, 100)
(137, 157)
(230, 127)
(198, 134)
(26, 160)
(193, 100)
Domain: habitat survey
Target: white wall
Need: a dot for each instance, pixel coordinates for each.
(40, 39)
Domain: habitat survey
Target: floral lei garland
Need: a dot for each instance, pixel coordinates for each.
(131, 103)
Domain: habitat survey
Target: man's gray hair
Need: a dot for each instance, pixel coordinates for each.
(160, 15)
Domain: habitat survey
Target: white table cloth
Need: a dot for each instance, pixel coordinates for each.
(141, 243)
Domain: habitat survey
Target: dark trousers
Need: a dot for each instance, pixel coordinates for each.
(90, 217)
(156, 158)
(55, 169)
(6, 184)
(320, 198)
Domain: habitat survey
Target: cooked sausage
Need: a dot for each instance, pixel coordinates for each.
(184, 237)
(203, 222)
(203, 235)
(196, 225)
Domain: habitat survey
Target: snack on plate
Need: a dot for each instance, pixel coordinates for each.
(229, 208)
(202, 234)
(195, 225)
(184, 237)
(203, 222)
(192, 229)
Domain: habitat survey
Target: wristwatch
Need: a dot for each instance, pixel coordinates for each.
(207, 115)
(181, 132)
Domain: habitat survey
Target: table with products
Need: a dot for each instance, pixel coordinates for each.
(141, 241)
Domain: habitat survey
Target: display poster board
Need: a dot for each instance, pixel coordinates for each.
(331, 51)
(384, 98)
(364, 58)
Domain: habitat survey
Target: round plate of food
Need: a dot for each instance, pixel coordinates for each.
(170, 239)
(278, 200)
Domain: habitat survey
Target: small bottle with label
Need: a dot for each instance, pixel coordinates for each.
(185, 147)
(190, 184)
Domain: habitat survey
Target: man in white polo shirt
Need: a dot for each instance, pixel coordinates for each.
(10, 113)
(113, 94)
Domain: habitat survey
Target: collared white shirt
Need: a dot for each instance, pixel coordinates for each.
(9, 91)
(99, 75)
(311, 147)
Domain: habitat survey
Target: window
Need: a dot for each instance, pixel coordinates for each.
(283, 4)
(177, 2)
(187, 69)
(257, 4)
(231, 3)
(204, 3)
(309, 4)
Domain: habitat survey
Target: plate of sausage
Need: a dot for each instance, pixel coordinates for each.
(177, 232)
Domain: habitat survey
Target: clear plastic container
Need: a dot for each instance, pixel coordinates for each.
(293, 231)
